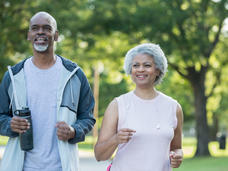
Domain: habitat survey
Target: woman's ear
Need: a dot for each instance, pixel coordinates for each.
(157, 72)
(56, 35)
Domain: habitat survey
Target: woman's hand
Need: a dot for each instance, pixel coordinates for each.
(176, 157)
(124, 135)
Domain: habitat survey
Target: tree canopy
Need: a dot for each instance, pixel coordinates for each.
(92, 32)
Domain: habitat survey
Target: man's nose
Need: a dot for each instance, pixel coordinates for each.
(40, 30)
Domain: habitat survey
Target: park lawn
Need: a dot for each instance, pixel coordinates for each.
(218, 161)
(86, 145)
(204, 164)
(189, 146)
(3, 140)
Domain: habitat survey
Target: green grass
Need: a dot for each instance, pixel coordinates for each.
(218, 161)
(204, 164)
(86, 145)
(189, 146)
(3, 140)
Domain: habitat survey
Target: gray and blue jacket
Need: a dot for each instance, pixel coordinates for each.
(75, 105)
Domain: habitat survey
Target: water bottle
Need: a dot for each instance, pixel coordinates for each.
(26, 138)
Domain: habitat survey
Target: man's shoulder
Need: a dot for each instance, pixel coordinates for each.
(68, 64)
(17, 67)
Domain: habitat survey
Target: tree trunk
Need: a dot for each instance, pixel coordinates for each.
(214, 128)
(200, 100)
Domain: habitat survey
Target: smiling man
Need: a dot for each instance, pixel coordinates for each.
(60, 99)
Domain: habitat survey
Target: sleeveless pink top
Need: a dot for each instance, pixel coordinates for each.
(154, 122)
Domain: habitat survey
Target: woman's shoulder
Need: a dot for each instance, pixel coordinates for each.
(167, 98)
(124, 96)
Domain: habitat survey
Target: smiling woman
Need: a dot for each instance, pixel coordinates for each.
(144, 125)
(144, 71)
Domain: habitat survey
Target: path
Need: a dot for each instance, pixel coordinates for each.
(87, 161)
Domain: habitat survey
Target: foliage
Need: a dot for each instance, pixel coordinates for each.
(178, 88)
(94, 32)
(189, 32)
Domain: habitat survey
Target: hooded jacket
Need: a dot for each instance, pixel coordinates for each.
(75, 105)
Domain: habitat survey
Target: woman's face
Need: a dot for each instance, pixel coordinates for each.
(143, 71)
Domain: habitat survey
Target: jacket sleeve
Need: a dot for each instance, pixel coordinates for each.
(85, 119)
(5, 112)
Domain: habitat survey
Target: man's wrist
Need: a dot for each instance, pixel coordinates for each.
(72, 132)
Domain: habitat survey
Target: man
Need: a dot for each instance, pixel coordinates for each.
(59, 97)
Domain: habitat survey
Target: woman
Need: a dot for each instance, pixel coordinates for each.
(144, 125)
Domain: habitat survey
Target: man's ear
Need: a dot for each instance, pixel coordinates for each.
(56, 35)
(28, 36)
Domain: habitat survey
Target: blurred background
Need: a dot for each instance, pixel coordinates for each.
(96, 34)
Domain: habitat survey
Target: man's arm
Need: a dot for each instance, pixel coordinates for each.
(5, 111)
(85, 119)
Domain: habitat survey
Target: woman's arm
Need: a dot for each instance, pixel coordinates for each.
(176, 154)
(109, 138)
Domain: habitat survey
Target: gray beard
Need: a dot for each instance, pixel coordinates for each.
(40, 48)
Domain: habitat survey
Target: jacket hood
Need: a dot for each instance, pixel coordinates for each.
(69, 65)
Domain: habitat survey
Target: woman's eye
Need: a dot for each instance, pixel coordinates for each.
(135, 65)
(147, 65)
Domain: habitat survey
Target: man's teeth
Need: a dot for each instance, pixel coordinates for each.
(41, 39)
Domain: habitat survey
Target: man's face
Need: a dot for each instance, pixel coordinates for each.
(42, 33)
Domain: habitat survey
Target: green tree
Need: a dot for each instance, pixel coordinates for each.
(188, 30)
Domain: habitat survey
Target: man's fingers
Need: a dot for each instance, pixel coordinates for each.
(19, 125)
(20, 121)
(64, 131)
(19, 131)
(62, 125)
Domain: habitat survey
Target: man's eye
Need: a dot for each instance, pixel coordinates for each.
(34, 28)
(147, 65)
(47, 28)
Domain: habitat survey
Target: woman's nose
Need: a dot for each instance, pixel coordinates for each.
(141, 68)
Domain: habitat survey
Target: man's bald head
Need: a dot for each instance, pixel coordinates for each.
(47, 16)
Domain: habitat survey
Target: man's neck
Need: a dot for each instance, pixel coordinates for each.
(43, 60)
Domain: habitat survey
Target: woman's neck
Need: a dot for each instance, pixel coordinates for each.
(146, 93)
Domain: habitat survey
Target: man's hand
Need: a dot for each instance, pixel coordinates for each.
(64, 131)
(19, 125)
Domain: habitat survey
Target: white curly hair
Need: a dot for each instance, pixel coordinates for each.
(152, 50)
